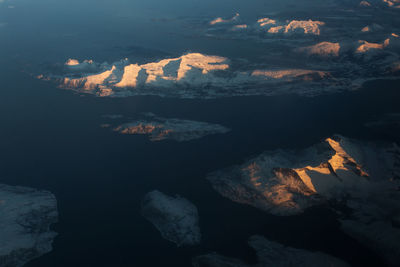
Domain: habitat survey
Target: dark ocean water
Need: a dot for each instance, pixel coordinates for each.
(51, 139)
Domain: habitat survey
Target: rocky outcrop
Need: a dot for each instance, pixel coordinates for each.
(158, 129)
(26, 215)
(291, 74)
(323, 49)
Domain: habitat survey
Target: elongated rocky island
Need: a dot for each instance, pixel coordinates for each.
(26, 215)
(270, 253)
(363, 176)
(191, 75)
(176, 218)
(158, 128)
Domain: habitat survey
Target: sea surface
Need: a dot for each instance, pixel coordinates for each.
(52, 139)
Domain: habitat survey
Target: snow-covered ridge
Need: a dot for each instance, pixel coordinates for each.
(25, 218)
(191, 68)
(361, 175)
(356, 44)
(290, 27)
(288, 182)
(392, 40)
(377, 3)
(220, 20)
(201, 76)
(360, 48)
(271, 26)
(191, 75)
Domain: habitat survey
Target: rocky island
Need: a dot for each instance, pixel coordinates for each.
(158, 129)
(363, 176)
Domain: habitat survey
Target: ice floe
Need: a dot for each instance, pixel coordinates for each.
(176, 218)
(26, 215)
